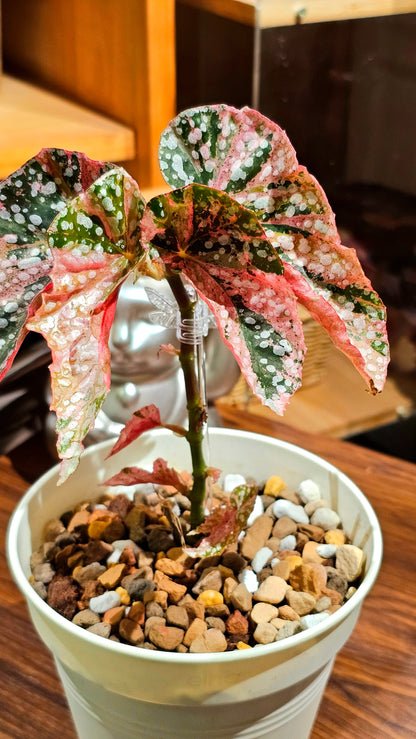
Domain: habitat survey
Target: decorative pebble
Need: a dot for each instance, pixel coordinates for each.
(302, 603)
(335, 537)
(284, 526)
(288, 542)
(258, 510)
(210, 598)
(249, 579)
(326, 518)
(349, 561)
(287, 508)
(232, 481)
(212, 640)
(241, 597)
(312, 619)
(272, 590)
(263, 613)
(86, 618)
(261, 558)
(101, 629)
(102, 603)
(326, 550)
(166, 637)
(256, 536)
(274, 486)
(289, 629)
(309, 491)
(265, 633)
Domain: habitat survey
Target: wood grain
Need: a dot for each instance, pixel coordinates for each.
(271, 14)
(31, 118)
(372, 691)
(115, 58)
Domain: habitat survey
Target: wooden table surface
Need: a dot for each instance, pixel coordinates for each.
(372, 691)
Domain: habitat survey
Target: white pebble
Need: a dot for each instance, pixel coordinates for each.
(284, 507)
(122, 543)
(312, 619)
(261, 558)
(114, 557)
(274, 561)
(233, 481)
(326, 550)
(326, 518)
(249, 578)
(309, 491)
(101, 603)
(257, 511)
(288, 542)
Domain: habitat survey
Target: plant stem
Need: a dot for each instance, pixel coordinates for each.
(195, 397)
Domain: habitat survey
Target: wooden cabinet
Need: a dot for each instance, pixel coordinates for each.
(112, 66)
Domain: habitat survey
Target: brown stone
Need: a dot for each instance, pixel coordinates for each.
(212, 640)
(288, 614)
(63, 594)
(174, 590)
(263, 613)
(112, 576)
(316, 533)
(177, 616)
(197, 627)
(120, 505)
(310, 554)
(241, 598)
(282, 569)
(272, 590)
(236, 623)
(170, 567)
(166, 637)
(230, 584)
(96, 551)
(265, 633)
(137, 612)
(256, 536)
(194, 608)
(284, 526)
(114, 615)
(305, 578)
(302, 603)
(131, 631)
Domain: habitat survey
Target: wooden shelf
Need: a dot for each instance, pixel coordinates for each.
(31, 118)
(338, 406)
(277, 13)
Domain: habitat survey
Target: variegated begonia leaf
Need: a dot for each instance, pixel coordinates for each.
(94, 243)
(145, 419)
(30, 198)
(250, 157)
(220, 247)
(225, 522)
(160, 475)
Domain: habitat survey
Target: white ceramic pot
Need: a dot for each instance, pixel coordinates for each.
(120, 692)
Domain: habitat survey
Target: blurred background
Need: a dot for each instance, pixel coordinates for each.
(105, 78)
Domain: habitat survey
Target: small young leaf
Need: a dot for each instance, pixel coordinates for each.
(160, 475)
(143, 420)
(225, 523)
(30, 199)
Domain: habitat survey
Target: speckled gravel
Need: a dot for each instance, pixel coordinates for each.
(113, 567)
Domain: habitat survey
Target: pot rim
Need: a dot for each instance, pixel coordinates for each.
(311, 634)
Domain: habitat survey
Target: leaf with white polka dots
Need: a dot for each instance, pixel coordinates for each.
(75, 318)
(95, 242)
(207, 226)
(246, 154)
(221, 248)
(325, 276)
(226, 148)
(30, 198)
(257, 316)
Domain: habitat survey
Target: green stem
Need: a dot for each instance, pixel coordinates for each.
(195, 402)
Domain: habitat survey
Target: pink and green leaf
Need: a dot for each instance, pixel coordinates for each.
(225, 523)
(160, 475)
(220, 247)
(94, 242)
(251, 157)
(30, 199)
(225, 148)
(75, 319)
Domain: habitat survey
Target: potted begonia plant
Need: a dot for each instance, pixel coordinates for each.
(248, 232)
